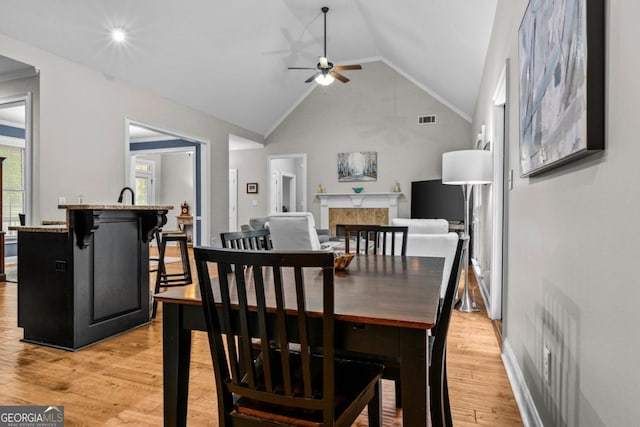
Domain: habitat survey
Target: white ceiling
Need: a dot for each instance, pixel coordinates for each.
(230, 59)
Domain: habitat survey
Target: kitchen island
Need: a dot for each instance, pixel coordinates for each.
(87, 280)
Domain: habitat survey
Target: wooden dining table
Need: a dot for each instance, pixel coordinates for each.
(384, 306)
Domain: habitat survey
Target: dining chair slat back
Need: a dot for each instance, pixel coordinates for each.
(388, 236)
(247, 240)
(285, 381)
(376, 239)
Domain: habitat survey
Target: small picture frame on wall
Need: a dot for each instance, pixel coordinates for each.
(252, 188)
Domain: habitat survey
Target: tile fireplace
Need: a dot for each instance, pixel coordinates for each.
(361, 208)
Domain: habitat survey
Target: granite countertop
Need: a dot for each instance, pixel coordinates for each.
(115, 207)
(53, 222)
(41, 228)
(61, 226)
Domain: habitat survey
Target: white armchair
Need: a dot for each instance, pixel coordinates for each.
(431, 238)
(294, 231)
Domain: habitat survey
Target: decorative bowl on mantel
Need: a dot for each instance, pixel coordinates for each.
(357, 190)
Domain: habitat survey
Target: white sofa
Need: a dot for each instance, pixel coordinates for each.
(430, 237)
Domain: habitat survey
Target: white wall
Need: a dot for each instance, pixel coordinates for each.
(376, 111)
(80, 148)
(177, 184)
(571, 283)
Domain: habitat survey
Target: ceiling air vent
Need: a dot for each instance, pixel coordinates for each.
(423, 120)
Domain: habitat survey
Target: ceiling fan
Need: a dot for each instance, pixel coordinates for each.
(327, 72)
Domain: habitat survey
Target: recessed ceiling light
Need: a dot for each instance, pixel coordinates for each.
(118, 35)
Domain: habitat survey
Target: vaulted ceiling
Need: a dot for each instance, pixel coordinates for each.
(230, 59)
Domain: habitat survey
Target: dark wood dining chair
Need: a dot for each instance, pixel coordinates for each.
(438, 387)
(280, 386)
(379, 240)
(376, 239)
(392, 365)
(247, 240)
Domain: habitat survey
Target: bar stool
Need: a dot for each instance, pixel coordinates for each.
(164, 280)
(156, 236)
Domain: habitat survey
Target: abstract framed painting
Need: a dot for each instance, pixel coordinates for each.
(358, 166)
(561, 47)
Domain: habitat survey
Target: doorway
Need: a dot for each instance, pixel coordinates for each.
(288, 183)
(15, 147)
(490, 267)
(168, 168)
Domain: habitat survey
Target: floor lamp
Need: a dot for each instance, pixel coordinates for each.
(466, 168)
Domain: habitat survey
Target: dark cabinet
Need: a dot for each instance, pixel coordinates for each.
(86, 282)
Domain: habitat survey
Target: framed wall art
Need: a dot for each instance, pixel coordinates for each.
(358, 166)
(252, 187)
(561, 77)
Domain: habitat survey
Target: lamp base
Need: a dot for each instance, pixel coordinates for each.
(466, 302)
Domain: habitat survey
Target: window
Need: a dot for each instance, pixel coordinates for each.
(13, 184)
(144, 182)
(13, 147)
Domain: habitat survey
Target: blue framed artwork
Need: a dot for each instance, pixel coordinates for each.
(561, 72)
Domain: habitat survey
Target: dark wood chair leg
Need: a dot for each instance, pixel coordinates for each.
(161, 270)
(184, 255)
(448, 420)
(398, 394)
(436, 401)
(374, 408)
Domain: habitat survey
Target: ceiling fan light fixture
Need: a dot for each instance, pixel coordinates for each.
(324, 80)
(325, 72)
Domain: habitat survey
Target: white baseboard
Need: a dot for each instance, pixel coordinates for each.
(528, 410)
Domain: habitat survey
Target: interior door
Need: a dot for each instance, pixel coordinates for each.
(288, 192)
(276, 192)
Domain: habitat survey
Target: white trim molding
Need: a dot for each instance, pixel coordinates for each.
(528, 410)
(357, 200)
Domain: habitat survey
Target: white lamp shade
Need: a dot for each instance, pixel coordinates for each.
(466, 167)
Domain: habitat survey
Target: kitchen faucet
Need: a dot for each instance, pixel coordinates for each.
(133, 197)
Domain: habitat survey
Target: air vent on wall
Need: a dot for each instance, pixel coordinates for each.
(423, 120)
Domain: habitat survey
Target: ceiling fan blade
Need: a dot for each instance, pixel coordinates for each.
(339, 76)
(347, 67)
(300, 68)
(312, 78)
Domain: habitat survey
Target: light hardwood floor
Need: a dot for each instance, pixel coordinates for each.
(119, 381)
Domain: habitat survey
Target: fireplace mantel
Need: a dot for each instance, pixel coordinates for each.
(356, 200)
